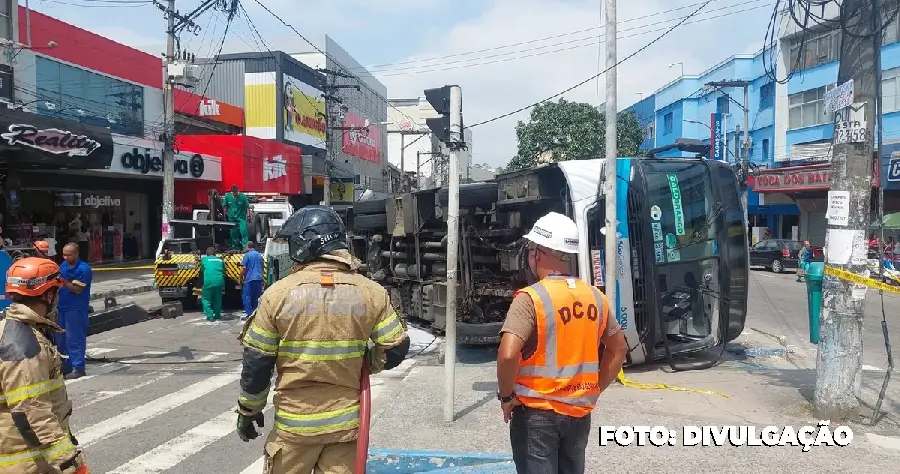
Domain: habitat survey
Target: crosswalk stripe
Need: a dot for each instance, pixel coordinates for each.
(171, 453)
(256, 467)
(106, 395)
(139, 415)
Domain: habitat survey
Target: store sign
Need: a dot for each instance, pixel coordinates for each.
(50, 140)
(360, 139)
(792, 180)
(102, 201)
(146, 163)
(208, 108)
(274, 168)
(304, 113)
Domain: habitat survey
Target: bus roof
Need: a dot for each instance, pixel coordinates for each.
(583, 177)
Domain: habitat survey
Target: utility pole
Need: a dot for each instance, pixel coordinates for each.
(331, 124)
(612, 155)
(456, 144)
(839, 361)
(737, 141)
(745, 150)
(172, 70)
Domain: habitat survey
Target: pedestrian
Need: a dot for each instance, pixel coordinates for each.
(74, 302)
(213, 270)
(804, 258)
(312, 328)
(559, 349)
(237, 210)
(253, 279)
(35, 409)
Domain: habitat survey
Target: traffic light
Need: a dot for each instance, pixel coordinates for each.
(439, 99)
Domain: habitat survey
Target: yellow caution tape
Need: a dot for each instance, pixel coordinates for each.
(109, 269)
(661, 386)
(859, 279)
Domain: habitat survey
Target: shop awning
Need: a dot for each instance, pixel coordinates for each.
(39, 141)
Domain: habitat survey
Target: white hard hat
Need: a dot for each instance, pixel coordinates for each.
(555, 232)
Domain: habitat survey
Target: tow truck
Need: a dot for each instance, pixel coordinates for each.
(177, 274)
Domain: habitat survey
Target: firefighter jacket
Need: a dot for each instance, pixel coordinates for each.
(34, 407)
(312, 327)
(563, 373)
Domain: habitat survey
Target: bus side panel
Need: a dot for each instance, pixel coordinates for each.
(624, 286)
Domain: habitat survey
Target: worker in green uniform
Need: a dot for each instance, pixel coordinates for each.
(237, 210)
(213, 269)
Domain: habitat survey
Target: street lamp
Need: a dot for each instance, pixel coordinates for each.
(678, 64)
(699, 123)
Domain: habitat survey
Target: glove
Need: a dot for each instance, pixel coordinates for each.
(245, 427)
(75, 465)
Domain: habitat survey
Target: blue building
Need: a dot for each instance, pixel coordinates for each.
(688, 109)
(804, 132)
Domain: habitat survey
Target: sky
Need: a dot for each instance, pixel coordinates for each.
(504, 54)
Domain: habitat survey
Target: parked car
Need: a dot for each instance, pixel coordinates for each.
(779, 254)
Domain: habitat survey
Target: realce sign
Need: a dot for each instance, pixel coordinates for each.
(147, 163)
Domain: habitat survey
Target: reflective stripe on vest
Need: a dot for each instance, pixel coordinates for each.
(30, 391)
(318, 423)
(550, 367)
(31, 455)
(322, 350)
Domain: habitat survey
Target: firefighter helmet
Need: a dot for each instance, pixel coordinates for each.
(42, 246)
(32, 276)
(313, 231)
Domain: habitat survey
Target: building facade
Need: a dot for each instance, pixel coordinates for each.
(81, 149)
(804, 131)
(687, 108)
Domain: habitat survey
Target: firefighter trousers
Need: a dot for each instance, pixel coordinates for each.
(283, 457)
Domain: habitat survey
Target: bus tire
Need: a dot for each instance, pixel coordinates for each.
(472, 194)
(370, 222)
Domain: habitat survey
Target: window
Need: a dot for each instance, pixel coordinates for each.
(722, 105)
(891, 32)
(668, 123)
(767, 96)
(890, 90)
(6, 28)
(806, 109)
(765, 150)
(817, 50)
(650, 132)
(75, 94)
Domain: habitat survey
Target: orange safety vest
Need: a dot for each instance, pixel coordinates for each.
(563, 373)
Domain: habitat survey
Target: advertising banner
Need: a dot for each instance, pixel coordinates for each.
(360, 140)
(198, 106)
(304, 113)
(717, 137)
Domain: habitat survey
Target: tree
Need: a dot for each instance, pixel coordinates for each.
(563, 130)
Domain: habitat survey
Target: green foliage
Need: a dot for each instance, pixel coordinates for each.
(566, 130)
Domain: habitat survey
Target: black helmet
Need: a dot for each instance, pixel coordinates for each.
(313, 231)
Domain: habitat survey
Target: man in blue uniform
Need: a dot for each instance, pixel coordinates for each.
(74, 298)
(253, 279)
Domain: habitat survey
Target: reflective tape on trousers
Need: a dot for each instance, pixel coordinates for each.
(311, 424)
(22, 457)
(859, 279)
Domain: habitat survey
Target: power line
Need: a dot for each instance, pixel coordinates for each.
(626, 58)
(392, 67)
(591, 41)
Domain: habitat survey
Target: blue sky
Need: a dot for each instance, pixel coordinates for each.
(501, 61)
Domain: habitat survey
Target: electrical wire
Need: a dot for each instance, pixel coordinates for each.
(626, 58)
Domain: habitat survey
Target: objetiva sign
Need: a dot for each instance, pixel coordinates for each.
(147, 163)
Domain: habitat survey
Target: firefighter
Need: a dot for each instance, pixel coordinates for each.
(34, 407)
(237, 210)
(312, 328)
(559, 350)
(41, 249)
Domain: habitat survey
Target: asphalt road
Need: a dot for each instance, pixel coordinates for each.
(160, 397)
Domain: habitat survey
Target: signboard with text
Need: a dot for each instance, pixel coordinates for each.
(137, 156)
(716, 137)
(361, 140)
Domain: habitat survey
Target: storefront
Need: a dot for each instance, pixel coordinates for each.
(253, 164)
(114, 214)
(807, 186)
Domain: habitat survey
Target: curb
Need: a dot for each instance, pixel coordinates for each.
(125, 290)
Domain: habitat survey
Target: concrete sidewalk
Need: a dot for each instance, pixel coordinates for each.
(117, 279)
(762, 385)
